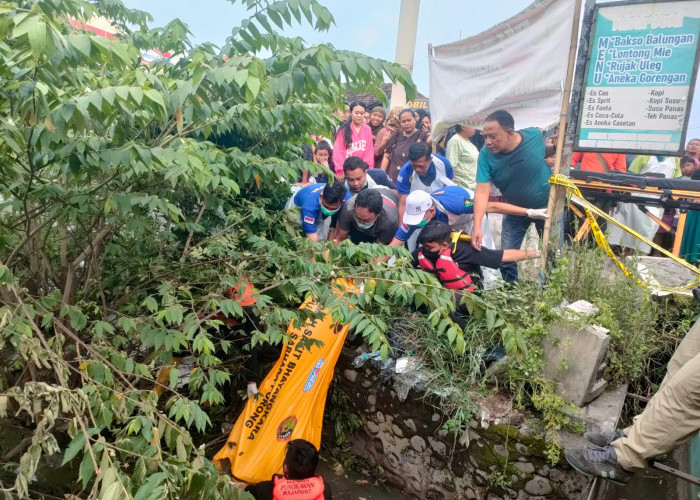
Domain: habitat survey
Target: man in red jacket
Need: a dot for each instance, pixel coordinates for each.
(298, 481)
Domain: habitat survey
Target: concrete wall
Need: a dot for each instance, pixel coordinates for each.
(402, 431)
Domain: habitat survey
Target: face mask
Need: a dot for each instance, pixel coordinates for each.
(327, 212)
(430, 255)
(365, 226)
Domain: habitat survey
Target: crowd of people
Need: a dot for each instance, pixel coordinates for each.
(390, 183)
(466, 175)
(393, 186)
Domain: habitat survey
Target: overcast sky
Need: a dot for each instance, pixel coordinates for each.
(367, 26)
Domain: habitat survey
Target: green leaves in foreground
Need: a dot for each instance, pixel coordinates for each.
(134, 201)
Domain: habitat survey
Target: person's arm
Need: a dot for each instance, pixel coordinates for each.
(380, 177)
(340, 235)
(339, 152)
(402, 206)
(449, 171)
(487, 257)
(403, 233)
(385, 162)
(342, 227)
(261, 490)
(481, 201)
(509, 209)
(452, 152)
(368, 153)
(327, 492)
(382, 140)
(309, 223)
(388, 151)
(511, 255)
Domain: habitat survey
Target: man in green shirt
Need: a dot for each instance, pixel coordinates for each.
(463, 156)
(513, 160)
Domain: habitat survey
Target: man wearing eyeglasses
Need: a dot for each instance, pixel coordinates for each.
(370, 216)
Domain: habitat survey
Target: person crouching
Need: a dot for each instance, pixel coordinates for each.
(298, 481)
(454, 262)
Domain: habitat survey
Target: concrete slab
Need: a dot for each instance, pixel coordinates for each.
(665, 272)
(573, 356)
(600, 415)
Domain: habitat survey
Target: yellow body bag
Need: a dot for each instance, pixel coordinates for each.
(290, 401)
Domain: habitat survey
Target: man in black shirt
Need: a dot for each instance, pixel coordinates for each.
(457, 264)
(370, 216)
(298, 481)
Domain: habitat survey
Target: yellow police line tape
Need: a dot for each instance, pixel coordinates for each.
(591, 209)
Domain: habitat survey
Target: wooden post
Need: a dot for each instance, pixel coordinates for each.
(680, 229)
(569, 108)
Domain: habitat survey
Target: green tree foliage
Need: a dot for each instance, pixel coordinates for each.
(131, 198)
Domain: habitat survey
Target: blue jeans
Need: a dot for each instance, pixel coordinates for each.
(513, 233)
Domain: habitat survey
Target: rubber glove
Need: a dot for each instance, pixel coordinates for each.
(537, 213)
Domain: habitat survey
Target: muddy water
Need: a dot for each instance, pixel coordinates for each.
(350, 485)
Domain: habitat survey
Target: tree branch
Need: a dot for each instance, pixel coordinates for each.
(189, 236)
(70, 272)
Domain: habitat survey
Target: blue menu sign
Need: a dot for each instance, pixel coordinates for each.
(640, 77)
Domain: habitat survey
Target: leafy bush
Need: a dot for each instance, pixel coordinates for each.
(131, 198)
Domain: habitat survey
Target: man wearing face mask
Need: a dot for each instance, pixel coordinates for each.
(370, 216)
(358, 177)
(453, 205)
(456, 264)
(319, 203)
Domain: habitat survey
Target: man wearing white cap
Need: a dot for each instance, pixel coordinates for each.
(454, 205)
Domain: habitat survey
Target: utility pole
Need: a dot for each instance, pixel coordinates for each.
(405, 46)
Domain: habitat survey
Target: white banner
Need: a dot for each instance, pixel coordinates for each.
(518, 65)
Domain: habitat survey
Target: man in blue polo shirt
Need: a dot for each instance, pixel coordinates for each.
(319, 203)
(514, 162)
(423, 171)
(454, 205)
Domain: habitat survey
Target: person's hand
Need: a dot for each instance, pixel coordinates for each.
(477, 237)
(537, 213)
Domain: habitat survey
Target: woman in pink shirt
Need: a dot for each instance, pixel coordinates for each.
(354, 139)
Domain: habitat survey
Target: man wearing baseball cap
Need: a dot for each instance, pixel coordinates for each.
(451, 204)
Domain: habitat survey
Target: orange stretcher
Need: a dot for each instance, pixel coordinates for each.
(641, 190)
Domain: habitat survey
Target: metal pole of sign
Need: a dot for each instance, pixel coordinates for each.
(684, 476)
(556, 206)
(595, 489)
